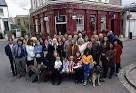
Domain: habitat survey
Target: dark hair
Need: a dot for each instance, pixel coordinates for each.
(87, 51)
(20, 41)
(109, 46)
(29, 42)
(10, 39)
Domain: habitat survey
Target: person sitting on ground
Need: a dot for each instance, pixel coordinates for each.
(78, 68)
(87, 60)
(56, 71)
(71, 64)
(65, 66)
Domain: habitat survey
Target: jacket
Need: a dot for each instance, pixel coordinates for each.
(19, 51)
(110, 54)
(75, 50)
(118, 52)
(38, 50)
(8, 51)
(87, 59)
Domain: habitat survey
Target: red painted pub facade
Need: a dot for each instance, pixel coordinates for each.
(75, 17)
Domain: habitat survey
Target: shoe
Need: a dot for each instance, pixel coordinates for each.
(85, 83)
(102, 80)
(35, 80)
(116, 74)
(58, 83)
(110, 77)
(76, 81)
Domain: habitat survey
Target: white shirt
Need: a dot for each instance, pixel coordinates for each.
(30, 52)
(57, 64)
(11, 46)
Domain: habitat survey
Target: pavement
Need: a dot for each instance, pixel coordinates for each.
(9, 84)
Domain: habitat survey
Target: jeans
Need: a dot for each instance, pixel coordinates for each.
(87, 71)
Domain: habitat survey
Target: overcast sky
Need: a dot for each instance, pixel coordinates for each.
(18, 7)
(21, 7)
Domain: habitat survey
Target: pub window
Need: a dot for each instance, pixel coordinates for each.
(80, 23)
(93, 23)
(103, 23)
(61, 19)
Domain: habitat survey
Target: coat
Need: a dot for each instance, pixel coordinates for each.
(110, 54)
(8, 51)
(118, 52)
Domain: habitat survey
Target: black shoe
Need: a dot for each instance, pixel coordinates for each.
(58, 83)
(110, 77)
(102, 80)
(76, 81)
(35, 80)
(53, 83)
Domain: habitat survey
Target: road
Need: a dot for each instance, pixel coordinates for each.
(9, 84)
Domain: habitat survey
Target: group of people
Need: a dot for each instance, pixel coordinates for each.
(76, 54)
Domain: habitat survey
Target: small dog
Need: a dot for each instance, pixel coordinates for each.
(97, 70)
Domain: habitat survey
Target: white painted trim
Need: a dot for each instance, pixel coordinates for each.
(60, 22)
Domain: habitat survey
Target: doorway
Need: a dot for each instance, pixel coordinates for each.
(61, 24)
(61, 28)
(112, 25)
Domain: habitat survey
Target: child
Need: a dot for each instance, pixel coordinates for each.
(87, 60)
(57, 70)
(78, 68)
(65, 66)
(71, 64)
(58, 63)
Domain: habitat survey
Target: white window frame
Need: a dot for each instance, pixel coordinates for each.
(56, 23)
(78, 26)
(105, 22)
(61, 22)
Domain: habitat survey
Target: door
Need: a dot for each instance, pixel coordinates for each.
(112, 25)
(61, 24)
(61, 28)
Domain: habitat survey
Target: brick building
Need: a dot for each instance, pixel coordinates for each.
(72, 16)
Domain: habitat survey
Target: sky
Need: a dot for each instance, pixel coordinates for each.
(18, 7)
(21, 7)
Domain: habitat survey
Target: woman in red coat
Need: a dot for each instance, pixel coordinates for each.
(118, 52)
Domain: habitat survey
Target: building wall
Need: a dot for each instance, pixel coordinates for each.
(51, 11)
(38, 3)
(115, 2)
(21, 20)
(4, 17)
(126, 28)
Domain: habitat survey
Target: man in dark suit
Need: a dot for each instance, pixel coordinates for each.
(8, 51)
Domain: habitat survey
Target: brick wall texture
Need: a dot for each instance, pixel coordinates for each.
(115, 2)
